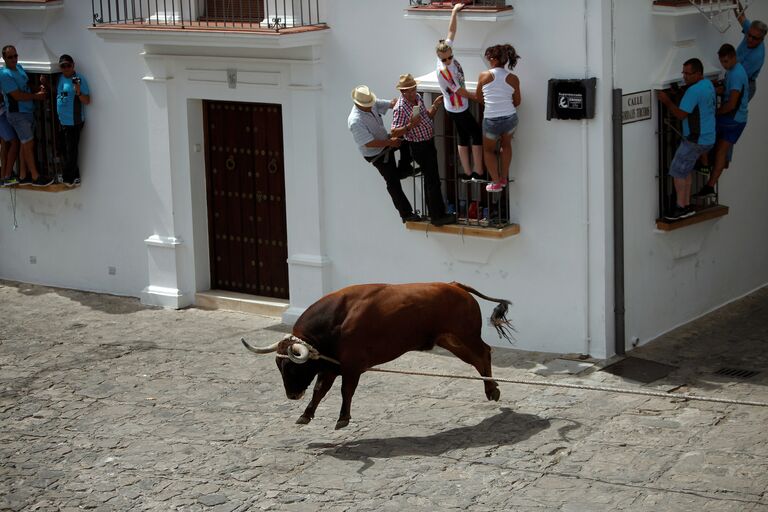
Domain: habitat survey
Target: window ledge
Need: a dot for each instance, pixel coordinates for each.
(703, 215)
(466, 230)
(56, 187)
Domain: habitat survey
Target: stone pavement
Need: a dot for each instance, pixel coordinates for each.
(108, 405)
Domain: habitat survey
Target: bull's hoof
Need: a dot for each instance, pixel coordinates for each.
(341, 424)
(494, 395)
(303, 420)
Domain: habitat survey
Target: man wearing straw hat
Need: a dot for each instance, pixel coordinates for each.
(377, 146)
(412, 120)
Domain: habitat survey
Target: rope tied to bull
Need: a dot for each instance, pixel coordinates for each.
(300, 352)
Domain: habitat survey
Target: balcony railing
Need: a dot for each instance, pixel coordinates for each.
(273, 15)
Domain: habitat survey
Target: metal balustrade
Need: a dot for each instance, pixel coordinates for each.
(211, 14)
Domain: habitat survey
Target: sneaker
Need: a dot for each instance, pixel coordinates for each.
(413, 217)
(705, 170)
(504, 181)
(494, 187)
(678, 212)
(442, 221)
(689, 212)
(25, 181)
(466, 178)
(706, 191)
(42, 181)
(477, 177)
(9, 182)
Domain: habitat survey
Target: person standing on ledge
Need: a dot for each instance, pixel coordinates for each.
(499, 91)
(450, 77)
(751, 50)
(72, 94)
(377, 146)
(697, 111)
(20, 113)
(412, 120)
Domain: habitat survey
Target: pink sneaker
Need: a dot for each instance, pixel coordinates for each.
(494, 187)
(504, 181)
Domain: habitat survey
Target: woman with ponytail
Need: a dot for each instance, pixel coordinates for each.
(450, 77)
(499, 90)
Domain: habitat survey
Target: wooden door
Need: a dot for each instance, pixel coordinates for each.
(246, 198)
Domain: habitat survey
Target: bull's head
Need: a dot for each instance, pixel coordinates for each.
(295, 363)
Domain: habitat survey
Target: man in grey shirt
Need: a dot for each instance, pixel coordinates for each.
(378, 147)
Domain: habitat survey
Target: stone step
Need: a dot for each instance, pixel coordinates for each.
(234, 301)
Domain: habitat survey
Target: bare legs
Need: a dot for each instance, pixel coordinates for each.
(683, 190)
(721, 161)
(477, 159)
(491, 162)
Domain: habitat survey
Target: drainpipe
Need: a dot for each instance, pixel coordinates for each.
(618, 225)
(585, 196)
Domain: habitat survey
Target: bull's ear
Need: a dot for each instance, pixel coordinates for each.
(298, 353)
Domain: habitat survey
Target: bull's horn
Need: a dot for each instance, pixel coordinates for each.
(298, 353)
(260, 350)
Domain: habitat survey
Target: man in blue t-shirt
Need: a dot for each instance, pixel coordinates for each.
(751, 51)
(20, 113)
(731, 116)
(72, 94)
(697, 111)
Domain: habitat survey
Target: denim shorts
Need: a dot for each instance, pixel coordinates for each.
(6, 130)
(729, 130)
(23, 124)
(685, 158)
(498, 126)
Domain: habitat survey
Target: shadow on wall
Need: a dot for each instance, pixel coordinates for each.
(505, 428)
(110, 304)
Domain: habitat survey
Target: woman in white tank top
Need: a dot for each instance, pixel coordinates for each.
(499, 90)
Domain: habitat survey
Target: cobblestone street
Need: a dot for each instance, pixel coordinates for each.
(109, 405)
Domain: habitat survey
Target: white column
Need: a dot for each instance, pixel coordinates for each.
(164, 247)
(309, 267)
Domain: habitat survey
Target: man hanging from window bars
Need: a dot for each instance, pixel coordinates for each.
(72, 94)
(697, 111)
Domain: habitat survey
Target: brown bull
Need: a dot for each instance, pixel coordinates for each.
(359, 327)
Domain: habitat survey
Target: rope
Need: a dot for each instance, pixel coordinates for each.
(315, 354)
(578, 386)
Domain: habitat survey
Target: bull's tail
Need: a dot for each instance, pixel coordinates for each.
(499, 318)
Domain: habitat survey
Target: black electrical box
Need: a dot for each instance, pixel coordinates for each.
(571, 99)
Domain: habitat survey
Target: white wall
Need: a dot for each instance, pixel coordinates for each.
(674, 277)
(557, 271)
(77, 235)
(543, 270)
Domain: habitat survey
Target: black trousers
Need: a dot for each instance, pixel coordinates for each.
(71, 141)
(425, 154)
(392, 175)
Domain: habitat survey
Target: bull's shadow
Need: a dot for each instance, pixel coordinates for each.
(505, 428)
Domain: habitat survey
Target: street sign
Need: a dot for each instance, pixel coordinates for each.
(636, 107)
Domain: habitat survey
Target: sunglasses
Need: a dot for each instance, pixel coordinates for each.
(447, 59)
(14, 56)
(65, 65)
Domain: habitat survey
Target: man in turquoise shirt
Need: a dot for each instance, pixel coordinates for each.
(72, 94)
(20, 108)
(751, 51)
(697, 111)
(731, 116)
